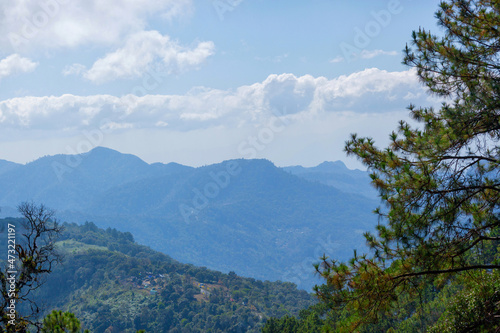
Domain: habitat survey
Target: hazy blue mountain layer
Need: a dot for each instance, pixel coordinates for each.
(336, 174)
(247, 216)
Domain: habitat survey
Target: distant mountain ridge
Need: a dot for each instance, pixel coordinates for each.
(248, 216)
(336, 174)
(6, 166)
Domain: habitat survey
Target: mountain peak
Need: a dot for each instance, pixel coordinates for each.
(327, 165)
(103, 154)
(103, 151)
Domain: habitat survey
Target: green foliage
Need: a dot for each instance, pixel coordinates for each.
(286, 324)
(59, 322)
(474, 309)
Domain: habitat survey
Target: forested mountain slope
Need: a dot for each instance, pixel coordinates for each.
(115, 285)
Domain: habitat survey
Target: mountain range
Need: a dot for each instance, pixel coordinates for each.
(246, 216)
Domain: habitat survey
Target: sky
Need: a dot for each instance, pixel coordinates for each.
(201, 81)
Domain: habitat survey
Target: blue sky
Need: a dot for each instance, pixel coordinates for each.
(198, 82)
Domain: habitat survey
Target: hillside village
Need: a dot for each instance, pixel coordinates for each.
(153, 284)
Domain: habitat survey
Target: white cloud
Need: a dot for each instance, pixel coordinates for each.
(337, 59)
(368, 54)
(50, 24)
(144, 51)
(75, 69)
(371, 91)
(275, 59)
(178, 9)
(14, 64)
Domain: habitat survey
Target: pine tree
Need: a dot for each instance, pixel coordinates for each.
(439, 181)
(59, 322)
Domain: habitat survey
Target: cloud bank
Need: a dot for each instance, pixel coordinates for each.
(370, 91)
